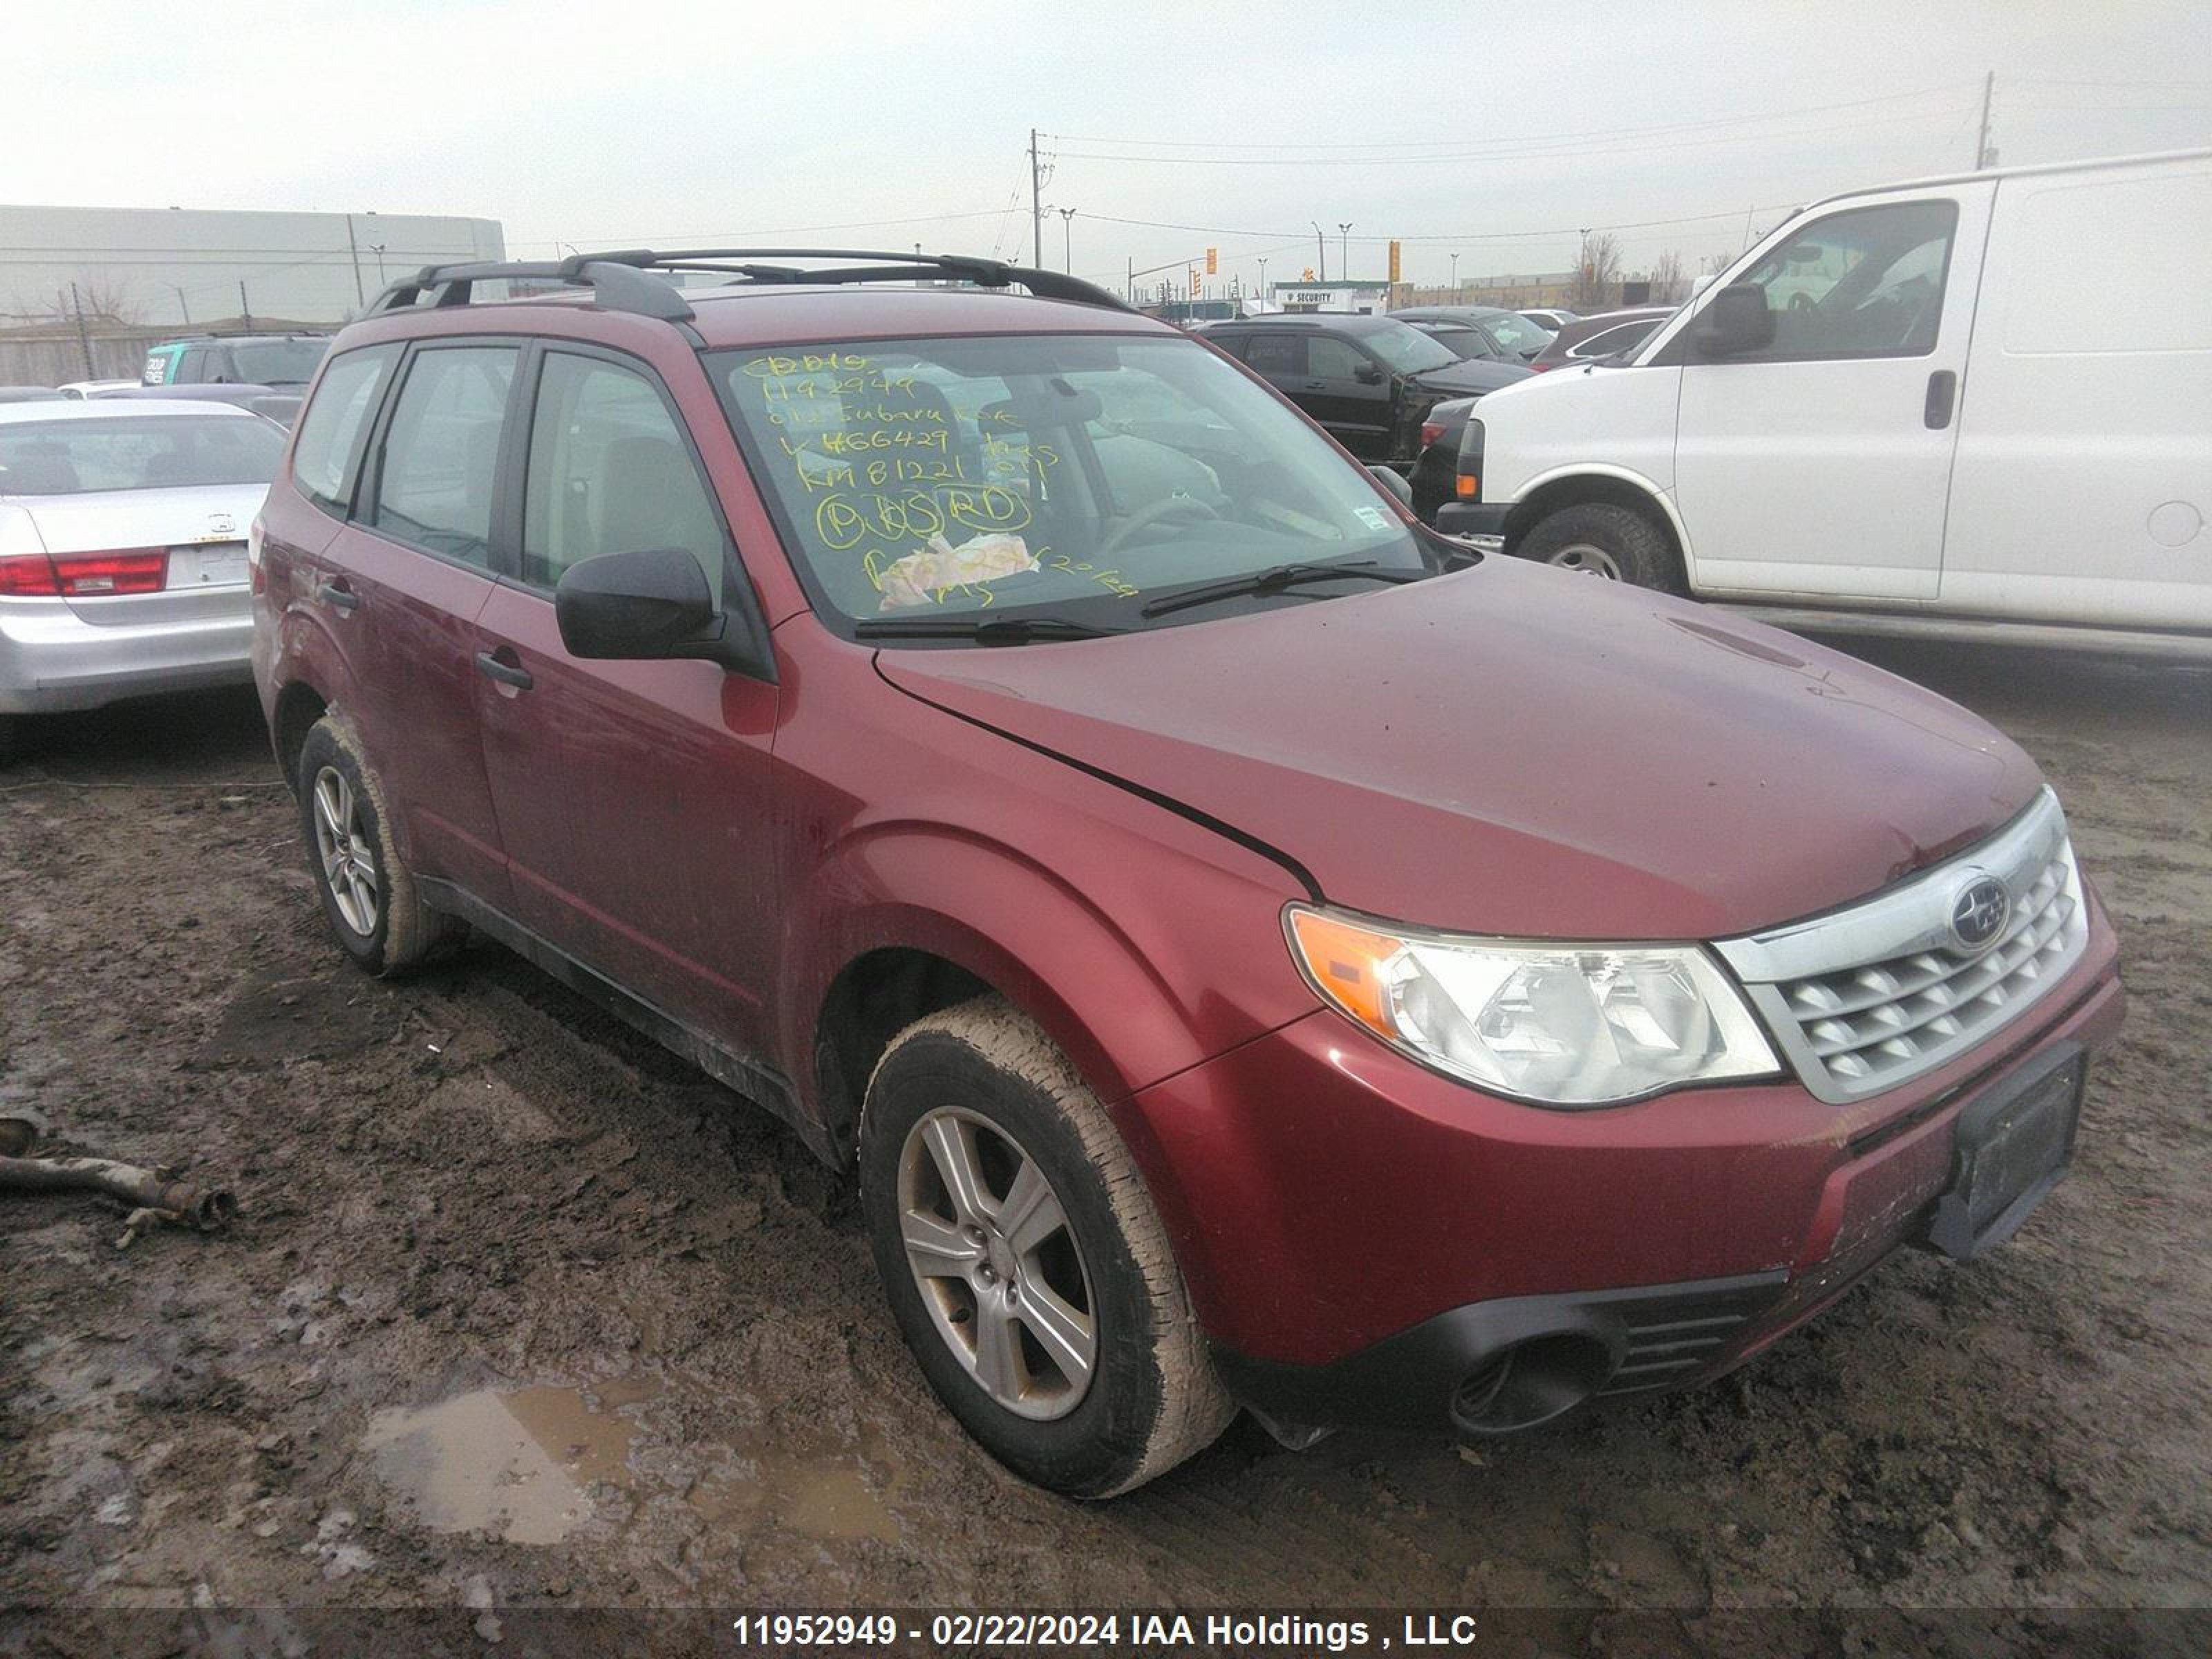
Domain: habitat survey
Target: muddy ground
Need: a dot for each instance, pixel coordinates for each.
(520, 1311)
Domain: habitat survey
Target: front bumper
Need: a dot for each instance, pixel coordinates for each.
(52, 659)
(1482, 523)
(1364, 1238)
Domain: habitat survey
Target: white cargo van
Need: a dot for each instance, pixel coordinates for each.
(1977, 405)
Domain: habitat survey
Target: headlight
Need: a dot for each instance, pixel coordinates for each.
(1556, 1024)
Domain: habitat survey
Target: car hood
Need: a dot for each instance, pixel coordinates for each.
(1472, 375)
(1515, 751)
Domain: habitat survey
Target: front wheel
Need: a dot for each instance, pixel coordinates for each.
(1600, 538)
(1023, 1260)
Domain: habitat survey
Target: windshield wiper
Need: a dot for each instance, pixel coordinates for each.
(983, 630)
(1280, 580)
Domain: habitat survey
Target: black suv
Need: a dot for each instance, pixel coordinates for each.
(1369, 379)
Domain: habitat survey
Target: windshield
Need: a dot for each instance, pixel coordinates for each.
(1517, 334)
(1406, 349)
(77, 458)
(1076, 475)
(278, 363)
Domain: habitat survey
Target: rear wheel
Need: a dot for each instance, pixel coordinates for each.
(368, 894)
(1023, 1260)
(1600, 538)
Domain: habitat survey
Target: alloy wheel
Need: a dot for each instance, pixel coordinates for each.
(997, 1263)
(343, 845)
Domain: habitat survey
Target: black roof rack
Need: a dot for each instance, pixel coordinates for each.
(630, 280)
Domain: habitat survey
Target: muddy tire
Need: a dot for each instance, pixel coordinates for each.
(1600, 538)
(989, 1170)
(368, 894)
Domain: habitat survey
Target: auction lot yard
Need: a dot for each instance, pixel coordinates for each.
(521, 1310)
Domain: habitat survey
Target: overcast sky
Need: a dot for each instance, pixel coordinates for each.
(1461, 128)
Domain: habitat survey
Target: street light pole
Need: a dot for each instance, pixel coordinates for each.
(1455, 259)
(1344, 249)
(1067, 240)
(1263, 281)
(1321, 248)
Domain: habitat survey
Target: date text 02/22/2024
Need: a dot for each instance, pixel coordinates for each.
(1166, 1632)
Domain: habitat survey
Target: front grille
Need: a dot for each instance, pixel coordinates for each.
(1867, 998)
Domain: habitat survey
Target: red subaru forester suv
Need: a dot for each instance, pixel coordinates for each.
(1248, 950)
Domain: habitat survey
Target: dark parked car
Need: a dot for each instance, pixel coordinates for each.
(1592, 339)
(272, 360)
(1481, 330)
(1245, 948)
(1435, 476)
(1370, 380)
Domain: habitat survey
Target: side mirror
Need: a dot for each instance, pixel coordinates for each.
(1395, 481)
(1368, 374)
(1737, 320)
(649, 604)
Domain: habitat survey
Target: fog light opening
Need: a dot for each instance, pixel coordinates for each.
(1530, 1383)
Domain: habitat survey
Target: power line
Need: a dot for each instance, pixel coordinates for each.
(1531, 154)
(1951, 87)
(1460, 236)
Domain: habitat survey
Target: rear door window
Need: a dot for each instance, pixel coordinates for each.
(1280, 357)
(441, 453)
(336, 423)
(610, 472)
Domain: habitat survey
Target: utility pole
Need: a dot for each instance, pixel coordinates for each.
(1321, 248)
(1981, 140)
(354, 248)
(1067, 242)
(244, 306)
(1036, 204)
(182, 306)
(83, 340)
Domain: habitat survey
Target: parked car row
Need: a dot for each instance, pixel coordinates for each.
(1369, 381)
(1286, 976)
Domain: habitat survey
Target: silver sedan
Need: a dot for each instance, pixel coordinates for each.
(123, 564)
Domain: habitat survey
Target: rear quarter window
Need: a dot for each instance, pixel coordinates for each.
(336, 423)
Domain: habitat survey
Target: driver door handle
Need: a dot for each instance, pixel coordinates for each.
(507, 673)
(338, 596)
(1942, 394)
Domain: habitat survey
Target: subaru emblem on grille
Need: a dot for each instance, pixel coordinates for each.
(1978, 915)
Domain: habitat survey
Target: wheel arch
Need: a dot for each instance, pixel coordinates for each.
(1613, 486)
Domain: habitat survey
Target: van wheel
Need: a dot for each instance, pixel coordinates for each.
(14, 739)
(1024, 1259)
(1599, 538)
(368, 894)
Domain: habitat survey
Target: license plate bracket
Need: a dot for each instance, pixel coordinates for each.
(2012, 1144)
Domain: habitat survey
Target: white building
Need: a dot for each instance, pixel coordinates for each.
(1358, 298)
(169, 267)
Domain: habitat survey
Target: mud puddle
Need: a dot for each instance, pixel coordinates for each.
(533, 1465)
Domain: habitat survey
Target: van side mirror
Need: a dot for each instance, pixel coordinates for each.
(650, 604)
(1368, 374)
(1736, 322)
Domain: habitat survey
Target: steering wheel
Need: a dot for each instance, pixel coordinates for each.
(1145, 517)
